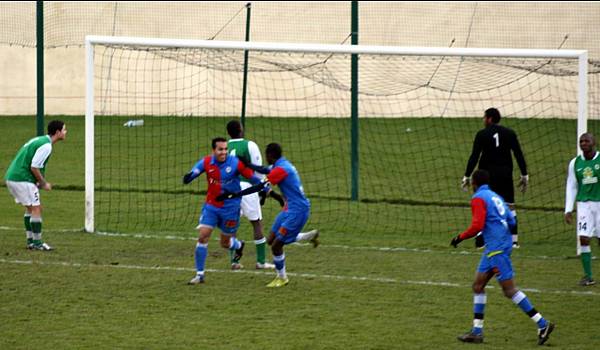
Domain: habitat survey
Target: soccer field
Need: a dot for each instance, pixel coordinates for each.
(370, 287)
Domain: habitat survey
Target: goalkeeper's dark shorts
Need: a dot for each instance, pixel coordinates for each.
(504, 187)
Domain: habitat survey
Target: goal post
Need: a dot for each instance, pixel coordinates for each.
(299, 96)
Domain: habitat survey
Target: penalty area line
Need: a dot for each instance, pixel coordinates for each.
(292, 274)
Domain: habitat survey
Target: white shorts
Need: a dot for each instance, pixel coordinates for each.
(24, 192)
(588, 219)
(250, 207)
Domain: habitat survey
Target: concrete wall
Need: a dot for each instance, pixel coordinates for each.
(465, 24)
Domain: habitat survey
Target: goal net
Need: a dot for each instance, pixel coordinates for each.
(418, 112)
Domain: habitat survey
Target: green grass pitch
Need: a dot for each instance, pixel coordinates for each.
(369, 285)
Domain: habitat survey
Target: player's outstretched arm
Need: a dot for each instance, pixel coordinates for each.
(228, 195)
(195, 172)
(187, 178)
(258, 168)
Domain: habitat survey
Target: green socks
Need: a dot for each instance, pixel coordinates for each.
(586, 261)
(28, 231)
(36, 228)
(260, 250)
(27, 222)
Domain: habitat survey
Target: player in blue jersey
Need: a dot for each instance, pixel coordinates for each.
(222, 173)
(289, 222)
(492, 216)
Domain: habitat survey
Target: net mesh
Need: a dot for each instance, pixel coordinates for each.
(418, 118)
(556, 25)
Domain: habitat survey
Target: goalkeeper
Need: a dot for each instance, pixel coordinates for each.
(494, 143)
(492, 217)
(289, 222)
(222, 173)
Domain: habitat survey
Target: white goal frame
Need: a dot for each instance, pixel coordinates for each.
(91, 41)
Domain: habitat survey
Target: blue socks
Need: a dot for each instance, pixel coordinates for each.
(234, 243)
(521, 300)
(479, 301)
(279, 261)
(200, 257)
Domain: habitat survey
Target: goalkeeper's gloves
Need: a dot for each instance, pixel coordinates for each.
(466, 181)
(187, 178)
(523, 182)
(456, 241)
(225, 195)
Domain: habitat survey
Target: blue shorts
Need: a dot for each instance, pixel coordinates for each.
(288, 224)
(227, 219)
(497, 262)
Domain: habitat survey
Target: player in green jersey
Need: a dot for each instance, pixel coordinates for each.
(26, 174)
(248, 151)
(583, 187)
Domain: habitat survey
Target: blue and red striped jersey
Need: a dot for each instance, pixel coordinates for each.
(223, 177)
(286, 176)
(492, 216)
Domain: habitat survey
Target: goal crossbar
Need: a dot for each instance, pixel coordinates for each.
(333, 48)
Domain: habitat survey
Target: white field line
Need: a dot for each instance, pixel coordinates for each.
(300, 275)
(450, 251)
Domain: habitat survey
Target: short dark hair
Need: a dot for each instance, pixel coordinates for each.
(217, 139)
(480, 177)
(54, 126)
(589, 135)
(234, 128)
(274, 150)
(494, 114)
